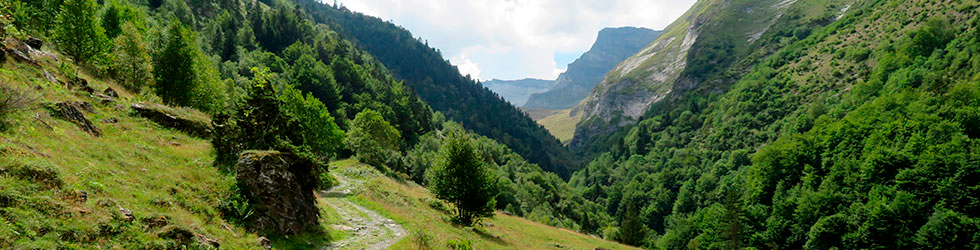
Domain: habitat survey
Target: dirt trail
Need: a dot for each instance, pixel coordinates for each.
(369, 230)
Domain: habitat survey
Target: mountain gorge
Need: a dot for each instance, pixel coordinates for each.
(612, 46)
(817, 125)
(294, 124)
(693, 51)
(440, 84)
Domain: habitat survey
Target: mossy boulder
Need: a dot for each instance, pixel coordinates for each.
(279, 187)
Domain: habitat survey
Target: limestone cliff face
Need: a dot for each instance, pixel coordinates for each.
(709, 36)
(612, 46)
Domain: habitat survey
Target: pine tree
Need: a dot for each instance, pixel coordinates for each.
(173, 65)
(632, 231)
(465, 181)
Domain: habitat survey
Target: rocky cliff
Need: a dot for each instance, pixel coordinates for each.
(698, 47)
(612, 46)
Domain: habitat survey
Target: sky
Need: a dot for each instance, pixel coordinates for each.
(516, 39)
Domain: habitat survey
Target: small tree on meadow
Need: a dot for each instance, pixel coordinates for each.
(173, 65)
(372, 138)
(464, 180)
(133, 63)
(78, 32)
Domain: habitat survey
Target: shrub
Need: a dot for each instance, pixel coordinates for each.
(11, 100)
(372, 138)
(459, 245)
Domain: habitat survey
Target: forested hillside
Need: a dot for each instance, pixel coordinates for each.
(705, 46)
(441, 86)
(851, 125)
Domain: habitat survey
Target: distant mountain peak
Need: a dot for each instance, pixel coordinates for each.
(612, 46)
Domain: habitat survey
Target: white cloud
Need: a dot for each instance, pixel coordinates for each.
(511, 39)
(466, 66)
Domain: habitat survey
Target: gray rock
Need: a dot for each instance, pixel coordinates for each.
(279, 187)
(111, 92)
(71, 111)
(165, 117)
(34, 43)
(264, 242)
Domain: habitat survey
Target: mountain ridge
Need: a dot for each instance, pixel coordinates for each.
(612, 46)
(517, 91)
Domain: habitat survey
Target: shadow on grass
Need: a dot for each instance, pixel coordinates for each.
(489, 237)
(315, 239)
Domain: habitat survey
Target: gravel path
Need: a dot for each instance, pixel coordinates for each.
(369, 230)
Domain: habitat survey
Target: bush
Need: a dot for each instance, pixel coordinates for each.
(11, 100)
(459, 245)
(372, 138)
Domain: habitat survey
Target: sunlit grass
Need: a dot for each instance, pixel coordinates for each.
(411, 206)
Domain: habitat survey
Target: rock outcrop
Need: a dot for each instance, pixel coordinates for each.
(279, 187)
(706, 40)
(34, 43)
(72, 111)
(169, 118)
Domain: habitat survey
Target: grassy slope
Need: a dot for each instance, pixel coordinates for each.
(561, 124)
(412, 206)
(136, 164)
(157, 172)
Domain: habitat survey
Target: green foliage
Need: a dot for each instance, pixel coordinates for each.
(173, 67)
(78, 33)
(183, 75)
(459, 244)
(844, 138)
(948, 230)
(372, 138)
(631, 228)
(464, 180)
(132, 64)
(277, 119)
(319, 134)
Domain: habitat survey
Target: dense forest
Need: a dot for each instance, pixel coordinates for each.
(858, 134)
(440, 84)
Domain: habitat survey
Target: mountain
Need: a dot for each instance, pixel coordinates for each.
(612, 46)
(440, 84)
(517, 91)
(706, 40)
(808, 124)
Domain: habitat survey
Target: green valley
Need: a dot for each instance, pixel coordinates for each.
(298, 124)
